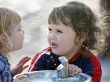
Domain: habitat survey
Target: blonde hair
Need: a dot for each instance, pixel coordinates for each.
(8, 19)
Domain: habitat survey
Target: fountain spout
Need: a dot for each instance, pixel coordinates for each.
(62, 69)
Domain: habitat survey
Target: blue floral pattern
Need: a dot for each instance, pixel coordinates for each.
(5, 73)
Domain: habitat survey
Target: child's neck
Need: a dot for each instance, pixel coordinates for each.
(69, 56)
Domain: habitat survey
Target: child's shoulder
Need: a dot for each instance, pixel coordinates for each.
(89, 55)
(2, 63)
(41, 56)
(42, 52)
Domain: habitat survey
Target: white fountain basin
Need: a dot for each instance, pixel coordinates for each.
(51, 76)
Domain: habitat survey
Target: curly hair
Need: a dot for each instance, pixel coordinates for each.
(80, 18)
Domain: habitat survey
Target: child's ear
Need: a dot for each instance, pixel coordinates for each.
(3, 39)
(83, 38)
(80, 38)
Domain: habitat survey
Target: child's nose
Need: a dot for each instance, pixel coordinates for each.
(53, 36)
(23, 32)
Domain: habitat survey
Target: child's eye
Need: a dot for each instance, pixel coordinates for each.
(19, 29)
(50, 30)
(59, 31)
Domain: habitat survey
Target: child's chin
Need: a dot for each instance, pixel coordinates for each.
(56, 52)
(17, 49)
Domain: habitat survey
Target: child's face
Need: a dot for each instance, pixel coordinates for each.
(61, 39)
(18, 36)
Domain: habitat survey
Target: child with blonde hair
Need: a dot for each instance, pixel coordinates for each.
(11, 39)
(71, 34)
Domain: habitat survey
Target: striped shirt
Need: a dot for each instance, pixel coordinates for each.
(88, 62)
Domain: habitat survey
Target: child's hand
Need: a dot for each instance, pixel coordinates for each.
(20, 66)
(21, 78)
(73, 69)
(17, 80)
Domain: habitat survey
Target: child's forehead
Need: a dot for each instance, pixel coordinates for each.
(59, 26)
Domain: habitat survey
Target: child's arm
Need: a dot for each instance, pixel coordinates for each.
(93, 68)
(20, 66)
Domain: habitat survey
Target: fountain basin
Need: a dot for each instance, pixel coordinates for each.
(51, 76)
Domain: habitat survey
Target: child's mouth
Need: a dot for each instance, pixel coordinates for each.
(53, 45)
